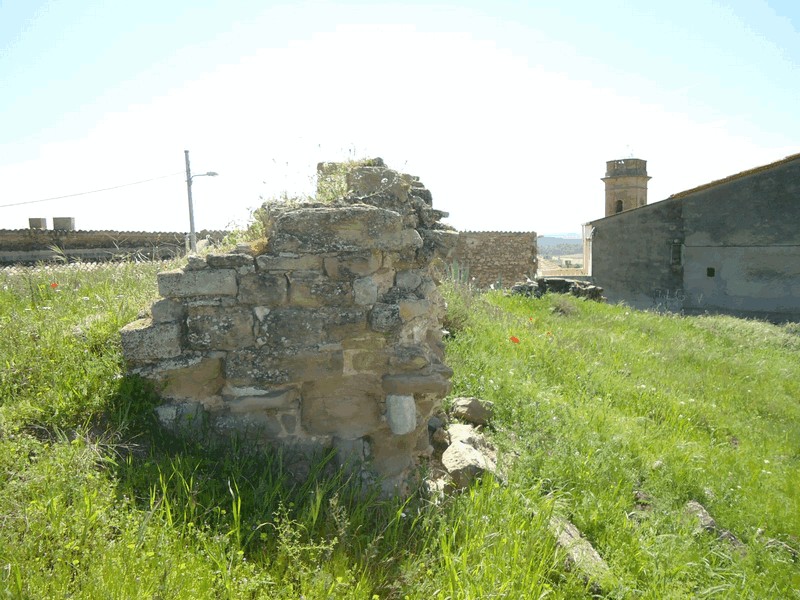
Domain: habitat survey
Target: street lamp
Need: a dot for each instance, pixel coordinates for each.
(189, 177)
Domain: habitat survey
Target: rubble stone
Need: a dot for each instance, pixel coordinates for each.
(472, 410)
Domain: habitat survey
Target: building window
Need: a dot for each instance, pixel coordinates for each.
(619, 206)
(710, 272)
(675, 254)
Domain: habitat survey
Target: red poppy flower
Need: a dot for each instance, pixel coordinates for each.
(54, 285)
(514, 339)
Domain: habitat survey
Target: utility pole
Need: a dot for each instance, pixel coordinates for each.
(192, 234)
(189, 177)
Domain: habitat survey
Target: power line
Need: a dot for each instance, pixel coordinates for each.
(116, 187)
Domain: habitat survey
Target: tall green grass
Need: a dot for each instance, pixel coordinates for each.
(610, 417)
(625, 416)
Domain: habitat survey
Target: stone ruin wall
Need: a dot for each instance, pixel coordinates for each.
(330, 339)
(27, 246)
(490, 257)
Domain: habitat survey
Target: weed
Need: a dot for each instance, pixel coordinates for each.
(599, 411)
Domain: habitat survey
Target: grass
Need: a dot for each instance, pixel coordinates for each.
(611, 417)
(609, 405)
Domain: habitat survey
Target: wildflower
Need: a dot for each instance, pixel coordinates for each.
(514, 339)
(54, 285)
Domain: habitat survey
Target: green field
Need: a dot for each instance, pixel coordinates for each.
(607, 416)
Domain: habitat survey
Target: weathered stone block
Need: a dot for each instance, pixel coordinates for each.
(426, 403)
(340, 229)
(289, 262)
(392, 455)
(348, 265)
(261, 313)
(308, 366)
(423, 194)
(346, 407)
(344, 323)
(263, 289)
(385, 280)
(416, 384)
(255, 426)
(389, 184)
(195, 262)
(144, 340)
(252, 367)
(206, 282)
(466, 434)
(385, 317)
(351, 453)
(294, 329)
(464, 464)
(409, 358)
(229, 261)
(219, 328)
(411, 309)
(360, 361)
(429, 217)
(310, 289)
(409, 279)
(440, 243)
(167, 311)
(401, 413)
(209, 301)
(198, 381)
(366, 341)
(365, 291)
(250, 400)
(472, 410)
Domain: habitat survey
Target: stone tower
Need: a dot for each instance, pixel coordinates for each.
(626, 184)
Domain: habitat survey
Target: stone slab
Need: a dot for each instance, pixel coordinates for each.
(401, 413)
(219, 328)
(167, 311)
(205, 282)
(345, 407)
(144, 340)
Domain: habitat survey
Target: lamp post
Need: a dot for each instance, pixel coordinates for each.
(189, 177)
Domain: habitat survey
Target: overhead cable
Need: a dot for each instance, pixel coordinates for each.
(116, 187)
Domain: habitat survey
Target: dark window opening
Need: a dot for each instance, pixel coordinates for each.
(710, 272)
(619, 206)
(675, 256)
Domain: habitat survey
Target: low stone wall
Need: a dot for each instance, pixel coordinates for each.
(330, 339)
(498, 258)
(27, 246)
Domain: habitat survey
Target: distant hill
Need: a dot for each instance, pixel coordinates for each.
(559, 246)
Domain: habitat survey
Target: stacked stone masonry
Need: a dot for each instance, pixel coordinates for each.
(331, 339)
(497, 258)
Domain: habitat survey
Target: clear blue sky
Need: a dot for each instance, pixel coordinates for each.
(506, 110)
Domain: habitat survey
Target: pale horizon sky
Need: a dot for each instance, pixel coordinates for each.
(506, 110)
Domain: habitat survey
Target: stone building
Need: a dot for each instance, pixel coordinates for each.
(729, 246)
(626, 185)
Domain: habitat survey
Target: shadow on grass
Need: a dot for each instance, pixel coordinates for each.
(260, 496)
